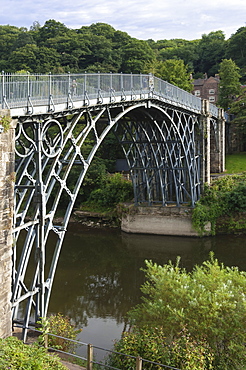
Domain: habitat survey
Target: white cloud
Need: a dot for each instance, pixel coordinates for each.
(157, 19)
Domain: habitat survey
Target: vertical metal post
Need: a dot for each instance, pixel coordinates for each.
(46, 341)
(3, 90)
(49, 93)
(28, 87)
(98, 81)
(69, 84)
(139, 363)
(85, 92)
(89, 357)
(121, 82)
(111, 79)
(40, 245)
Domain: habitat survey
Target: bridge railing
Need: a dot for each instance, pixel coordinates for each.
(88, 353)
(25, 90)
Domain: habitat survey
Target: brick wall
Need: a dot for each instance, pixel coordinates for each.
(6, 216)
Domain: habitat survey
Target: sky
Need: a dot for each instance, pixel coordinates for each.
(142, 19)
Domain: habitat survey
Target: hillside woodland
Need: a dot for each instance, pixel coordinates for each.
(56, 48)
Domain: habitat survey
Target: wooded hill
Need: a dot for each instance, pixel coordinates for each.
(99, 47)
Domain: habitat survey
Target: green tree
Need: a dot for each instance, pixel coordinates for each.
(116, 190)
(8, 37)
(23, 38)
(47, 60)
(51, 29)
(238, 109)
(24, 58)
(229, 83)
(211, 50)
(209, 302)
(236, 49)
(136, 54)
(180, 49)
(173, 71)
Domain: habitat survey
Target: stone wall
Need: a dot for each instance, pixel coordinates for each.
(169, 220)
(6, 215)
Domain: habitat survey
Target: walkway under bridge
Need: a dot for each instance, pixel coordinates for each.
(171, 139)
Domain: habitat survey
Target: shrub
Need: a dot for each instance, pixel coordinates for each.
(16, 355)
(61, 326)
(210, 302)
(117, 189)
(151, 344)
(225, 197)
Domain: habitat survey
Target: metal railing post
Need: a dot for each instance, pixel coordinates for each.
(3, 90)
(69, 84)
(49, 93)
(139, 363)
(46, 341)
(98, 81)
(89, 357)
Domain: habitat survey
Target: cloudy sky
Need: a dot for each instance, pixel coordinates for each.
(156, 19)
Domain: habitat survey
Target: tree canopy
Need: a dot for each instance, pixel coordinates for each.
(229, 82)
(54, 47)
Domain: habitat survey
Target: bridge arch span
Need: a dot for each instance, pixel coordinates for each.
(161, 164)
(161, 132)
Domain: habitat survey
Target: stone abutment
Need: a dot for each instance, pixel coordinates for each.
(7, 179)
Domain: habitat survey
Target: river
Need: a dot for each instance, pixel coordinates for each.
(99, 273)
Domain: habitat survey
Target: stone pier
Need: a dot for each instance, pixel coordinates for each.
(7, 179)
(157, 220)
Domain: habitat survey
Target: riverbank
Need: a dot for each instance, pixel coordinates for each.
(158, 220)
(95, 219)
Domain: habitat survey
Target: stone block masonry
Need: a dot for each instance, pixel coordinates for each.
(175, 221)
(7, 178)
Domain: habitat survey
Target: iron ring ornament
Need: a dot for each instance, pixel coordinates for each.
(51, 138)
(25, 143)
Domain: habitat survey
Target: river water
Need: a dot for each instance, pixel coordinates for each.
(99, 273)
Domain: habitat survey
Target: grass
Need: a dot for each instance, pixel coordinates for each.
(236, 163)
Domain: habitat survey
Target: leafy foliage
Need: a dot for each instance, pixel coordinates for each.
(56, 48)
(16, 355)
(198, 317)
(117, 189)
(238, 109)
(229, 82)
(151, 343)
(225, 197)
(173, 71)
(60, 326)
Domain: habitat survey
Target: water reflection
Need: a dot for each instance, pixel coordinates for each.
(99, 273)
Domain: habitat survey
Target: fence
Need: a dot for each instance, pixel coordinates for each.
(89, 359)
(28, 90)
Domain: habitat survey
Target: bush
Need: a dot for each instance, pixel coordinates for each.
(209, 302)
(225, 197)
(61, 326)
(151, 344)
(16, 355)
(117, 189)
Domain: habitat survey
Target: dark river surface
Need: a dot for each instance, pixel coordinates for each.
(99, 273)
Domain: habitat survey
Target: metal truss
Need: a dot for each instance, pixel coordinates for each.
(161, 145)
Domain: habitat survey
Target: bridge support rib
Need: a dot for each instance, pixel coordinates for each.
(162, 147)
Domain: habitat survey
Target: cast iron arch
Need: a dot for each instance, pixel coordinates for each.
(48, 147)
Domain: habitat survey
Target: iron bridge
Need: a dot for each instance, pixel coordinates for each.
(159, 127)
